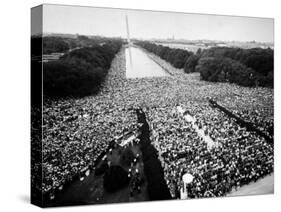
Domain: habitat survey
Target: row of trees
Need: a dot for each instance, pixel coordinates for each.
(225, 70)
(56, 44)
(52, 44)
(246, 67)
(177, 57)
(260, 60)
(79, 72)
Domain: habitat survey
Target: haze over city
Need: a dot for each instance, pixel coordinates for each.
(151, 24)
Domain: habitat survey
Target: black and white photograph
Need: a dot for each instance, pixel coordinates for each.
(136, 105)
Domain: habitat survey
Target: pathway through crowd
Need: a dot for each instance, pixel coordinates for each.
(206, 138)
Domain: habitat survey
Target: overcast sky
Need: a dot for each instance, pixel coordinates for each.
(149, 24)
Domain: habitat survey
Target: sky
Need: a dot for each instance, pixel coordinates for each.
(152, 24)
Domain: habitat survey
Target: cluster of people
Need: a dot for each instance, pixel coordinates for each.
(255, 105)
(240, 158)
(77, 131)
(135, 176)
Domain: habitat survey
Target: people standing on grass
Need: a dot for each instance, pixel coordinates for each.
(78, 131)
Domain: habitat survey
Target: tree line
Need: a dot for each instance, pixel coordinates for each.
(246, 67)
(79, 72)
(53, 44)
(177, 57)
(56, 44)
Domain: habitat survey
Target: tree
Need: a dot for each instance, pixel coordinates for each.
(199, 52)
(258, 63)
(191, 63)
(176, 57)
(225, 70)
(260, 60)
(54, 44)
(79, 72)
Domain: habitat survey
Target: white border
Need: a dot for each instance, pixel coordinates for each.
(15, 102)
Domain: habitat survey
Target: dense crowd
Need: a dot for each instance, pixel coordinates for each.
(77, 131)
(241, 157)
(254, 105)
(256, 109)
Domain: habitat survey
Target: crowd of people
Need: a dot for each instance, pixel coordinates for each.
(77, 131)
(241, 157)
(256, 109)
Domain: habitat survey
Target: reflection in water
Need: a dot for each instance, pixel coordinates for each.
(138, 65)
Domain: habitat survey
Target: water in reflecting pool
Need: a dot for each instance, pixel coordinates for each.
(138, 65)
